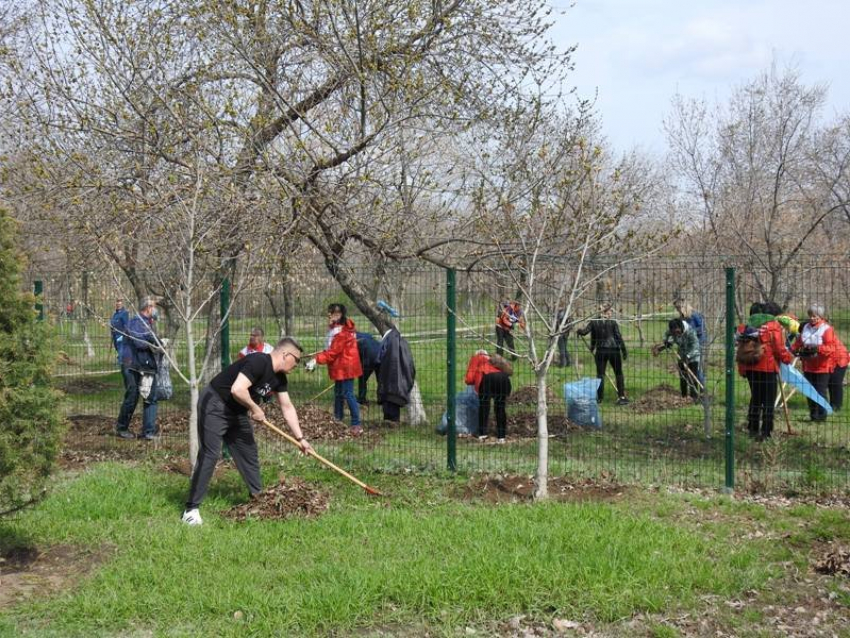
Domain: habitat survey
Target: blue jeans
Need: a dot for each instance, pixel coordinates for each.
(344, 393)
(132, 379)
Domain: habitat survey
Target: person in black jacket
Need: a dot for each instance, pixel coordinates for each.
(607, 346)
(396, 374)
(369, 349)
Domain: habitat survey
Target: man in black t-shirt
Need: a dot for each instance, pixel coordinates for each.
(226, 408)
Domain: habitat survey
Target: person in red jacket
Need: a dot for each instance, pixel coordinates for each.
(491, 382)
(343, 361)
(761, 374)
(816, 347)
(836, 378)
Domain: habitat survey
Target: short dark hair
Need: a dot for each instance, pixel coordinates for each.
(676, 324)
(289, 341)
(756, 308)
(772, 308)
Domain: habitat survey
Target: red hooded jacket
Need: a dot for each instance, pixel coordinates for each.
(342, 357)
(479, 365)
(817, 334)
(773, 350)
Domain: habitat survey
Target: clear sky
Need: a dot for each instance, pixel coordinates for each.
(638, 53)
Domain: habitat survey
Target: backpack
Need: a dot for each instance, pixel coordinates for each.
(750, 349)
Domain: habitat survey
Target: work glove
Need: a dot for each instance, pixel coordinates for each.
(310, 365)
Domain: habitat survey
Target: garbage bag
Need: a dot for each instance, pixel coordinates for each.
(582, 408)
(164, 388)
(466, 413)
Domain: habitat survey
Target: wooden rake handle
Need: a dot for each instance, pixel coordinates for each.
(322, 459)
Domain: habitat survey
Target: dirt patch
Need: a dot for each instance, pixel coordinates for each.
(834, 561)
(524, 426)
(512, 488)
(527, 395)
(318, 424)
(29, 572)
(662, 397)
(85, 385)
(172, 423)
(290, 497)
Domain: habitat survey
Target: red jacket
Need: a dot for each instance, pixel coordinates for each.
(773, 350)
(842, 358)
(820, 335)
(342, 357)
(479, 365)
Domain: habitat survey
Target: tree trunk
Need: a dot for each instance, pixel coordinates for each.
(541, 491)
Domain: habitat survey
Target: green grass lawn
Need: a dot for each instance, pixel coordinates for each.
(425, 556)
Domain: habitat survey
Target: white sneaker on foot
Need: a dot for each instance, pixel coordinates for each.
(501, 441)
(192, 517)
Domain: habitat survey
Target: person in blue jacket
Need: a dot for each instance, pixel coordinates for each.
(140, 352)
(118, 326)
(696, 321)
(369, 349)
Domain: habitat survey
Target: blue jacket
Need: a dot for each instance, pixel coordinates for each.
(118, 328)
(139, 349)
(369, 349)
(697, 322)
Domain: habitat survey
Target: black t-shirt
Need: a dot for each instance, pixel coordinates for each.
(257, 366)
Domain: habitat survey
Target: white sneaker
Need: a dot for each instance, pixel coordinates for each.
(192, 517)
(501, 441)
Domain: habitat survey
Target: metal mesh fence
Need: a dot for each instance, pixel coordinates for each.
(658, 437)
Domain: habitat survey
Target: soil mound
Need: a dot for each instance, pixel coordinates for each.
(662, 397)
(290, 497)
(524, 426)
(502, 488)
(527, 395)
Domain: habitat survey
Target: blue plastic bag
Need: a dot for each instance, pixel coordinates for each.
(466, 413)
(582, 408)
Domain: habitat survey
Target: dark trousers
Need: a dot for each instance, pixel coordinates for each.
(836, 388)
(495, 386)
(820, 380)
(763, 387)
(363, 384)
(505, 337)
(688, 380)
(392, 411)
(602, 358)
(132, 380)
(217, 423)
(563, 354)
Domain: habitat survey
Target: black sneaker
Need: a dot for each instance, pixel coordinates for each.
(124, 434)
(622, 401)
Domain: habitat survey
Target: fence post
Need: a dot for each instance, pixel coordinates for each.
(224, 301)
(37, 290)
(451, 371)
(730, 380)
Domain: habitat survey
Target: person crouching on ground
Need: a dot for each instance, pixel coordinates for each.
(816, 346)
(685, 338)
(491, 377)
(256, 343)
(761, 348)
(226, 408)
(343, 361)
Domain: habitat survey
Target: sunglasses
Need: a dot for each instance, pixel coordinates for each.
(297, 359)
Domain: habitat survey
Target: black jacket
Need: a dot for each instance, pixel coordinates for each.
(396, 372)
(604, 336)
(369, 349)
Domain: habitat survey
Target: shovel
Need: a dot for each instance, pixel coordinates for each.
(321, 459)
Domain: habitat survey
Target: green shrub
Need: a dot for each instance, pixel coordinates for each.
(30, 425)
